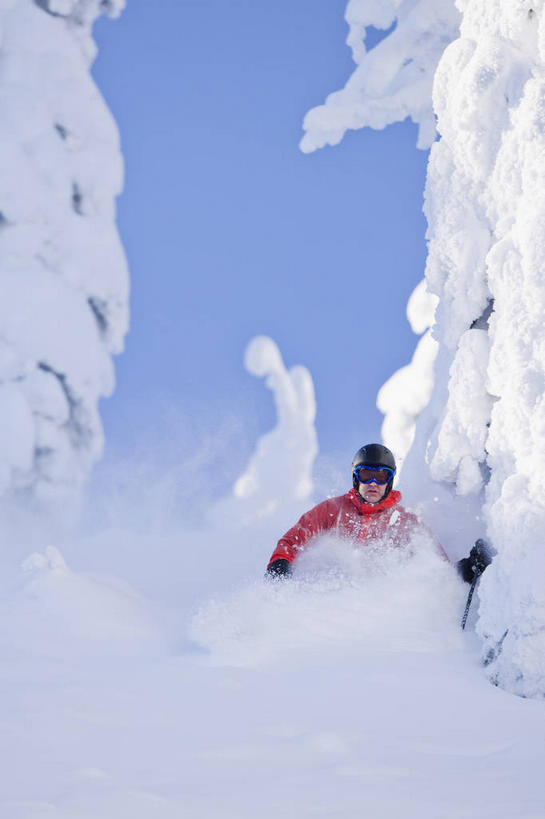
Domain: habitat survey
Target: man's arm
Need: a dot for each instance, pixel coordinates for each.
(319, 519)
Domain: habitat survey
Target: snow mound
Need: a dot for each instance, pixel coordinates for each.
(340, 601)
(57, 613)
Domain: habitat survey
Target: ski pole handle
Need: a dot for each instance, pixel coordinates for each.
(469, 599)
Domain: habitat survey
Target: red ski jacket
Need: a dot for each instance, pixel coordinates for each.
(350, 517)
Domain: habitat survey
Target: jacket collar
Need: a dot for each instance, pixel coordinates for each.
(372, 508)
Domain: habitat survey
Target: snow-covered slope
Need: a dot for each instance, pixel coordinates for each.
(328, 697)
(63, 312)
(205, 691)
(482, 433)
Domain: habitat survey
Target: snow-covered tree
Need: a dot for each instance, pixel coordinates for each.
(481, 437)
(278, 475)
(63, 312)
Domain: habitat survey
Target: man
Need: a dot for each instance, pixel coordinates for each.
(370, 511)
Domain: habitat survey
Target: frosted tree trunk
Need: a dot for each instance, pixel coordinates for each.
(477, 461)
(63, 312)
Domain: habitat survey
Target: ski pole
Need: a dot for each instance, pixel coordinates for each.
(470, 598)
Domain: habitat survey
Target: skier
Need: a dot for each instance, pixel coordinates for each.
(371, 510)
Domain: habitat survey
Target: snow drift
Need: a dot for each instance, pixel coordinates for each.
(64, 278)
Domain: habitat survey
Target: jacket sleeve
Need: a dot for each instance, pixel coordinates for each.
(319, 519)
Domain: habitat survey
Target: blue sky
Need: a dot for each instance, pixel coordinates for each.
(230, 231)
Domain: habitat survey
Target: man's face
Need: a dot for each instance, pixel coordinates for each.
(372, 492)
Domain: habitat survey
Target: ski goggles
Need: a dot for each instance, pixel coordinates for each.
(377, 474)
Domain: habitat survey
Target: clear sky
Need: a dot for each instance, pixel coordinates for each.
(231, 231)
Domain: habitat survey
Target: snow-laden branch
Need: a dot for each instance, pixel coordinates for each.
(394, 79)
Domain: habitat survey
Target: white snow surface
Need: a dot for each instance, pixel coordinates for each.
(153, 672)
(394, 79)
(470, 408)
(64, 277)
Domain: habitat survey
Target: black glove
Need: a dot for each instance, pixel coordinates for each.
(279, 569)
(479, 558)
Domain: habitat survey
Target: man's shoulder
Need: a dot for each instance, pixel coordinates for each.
(330, 507)
(333, 504)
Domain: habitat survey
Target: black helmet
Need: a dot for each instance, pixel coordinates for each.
(374, 455)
